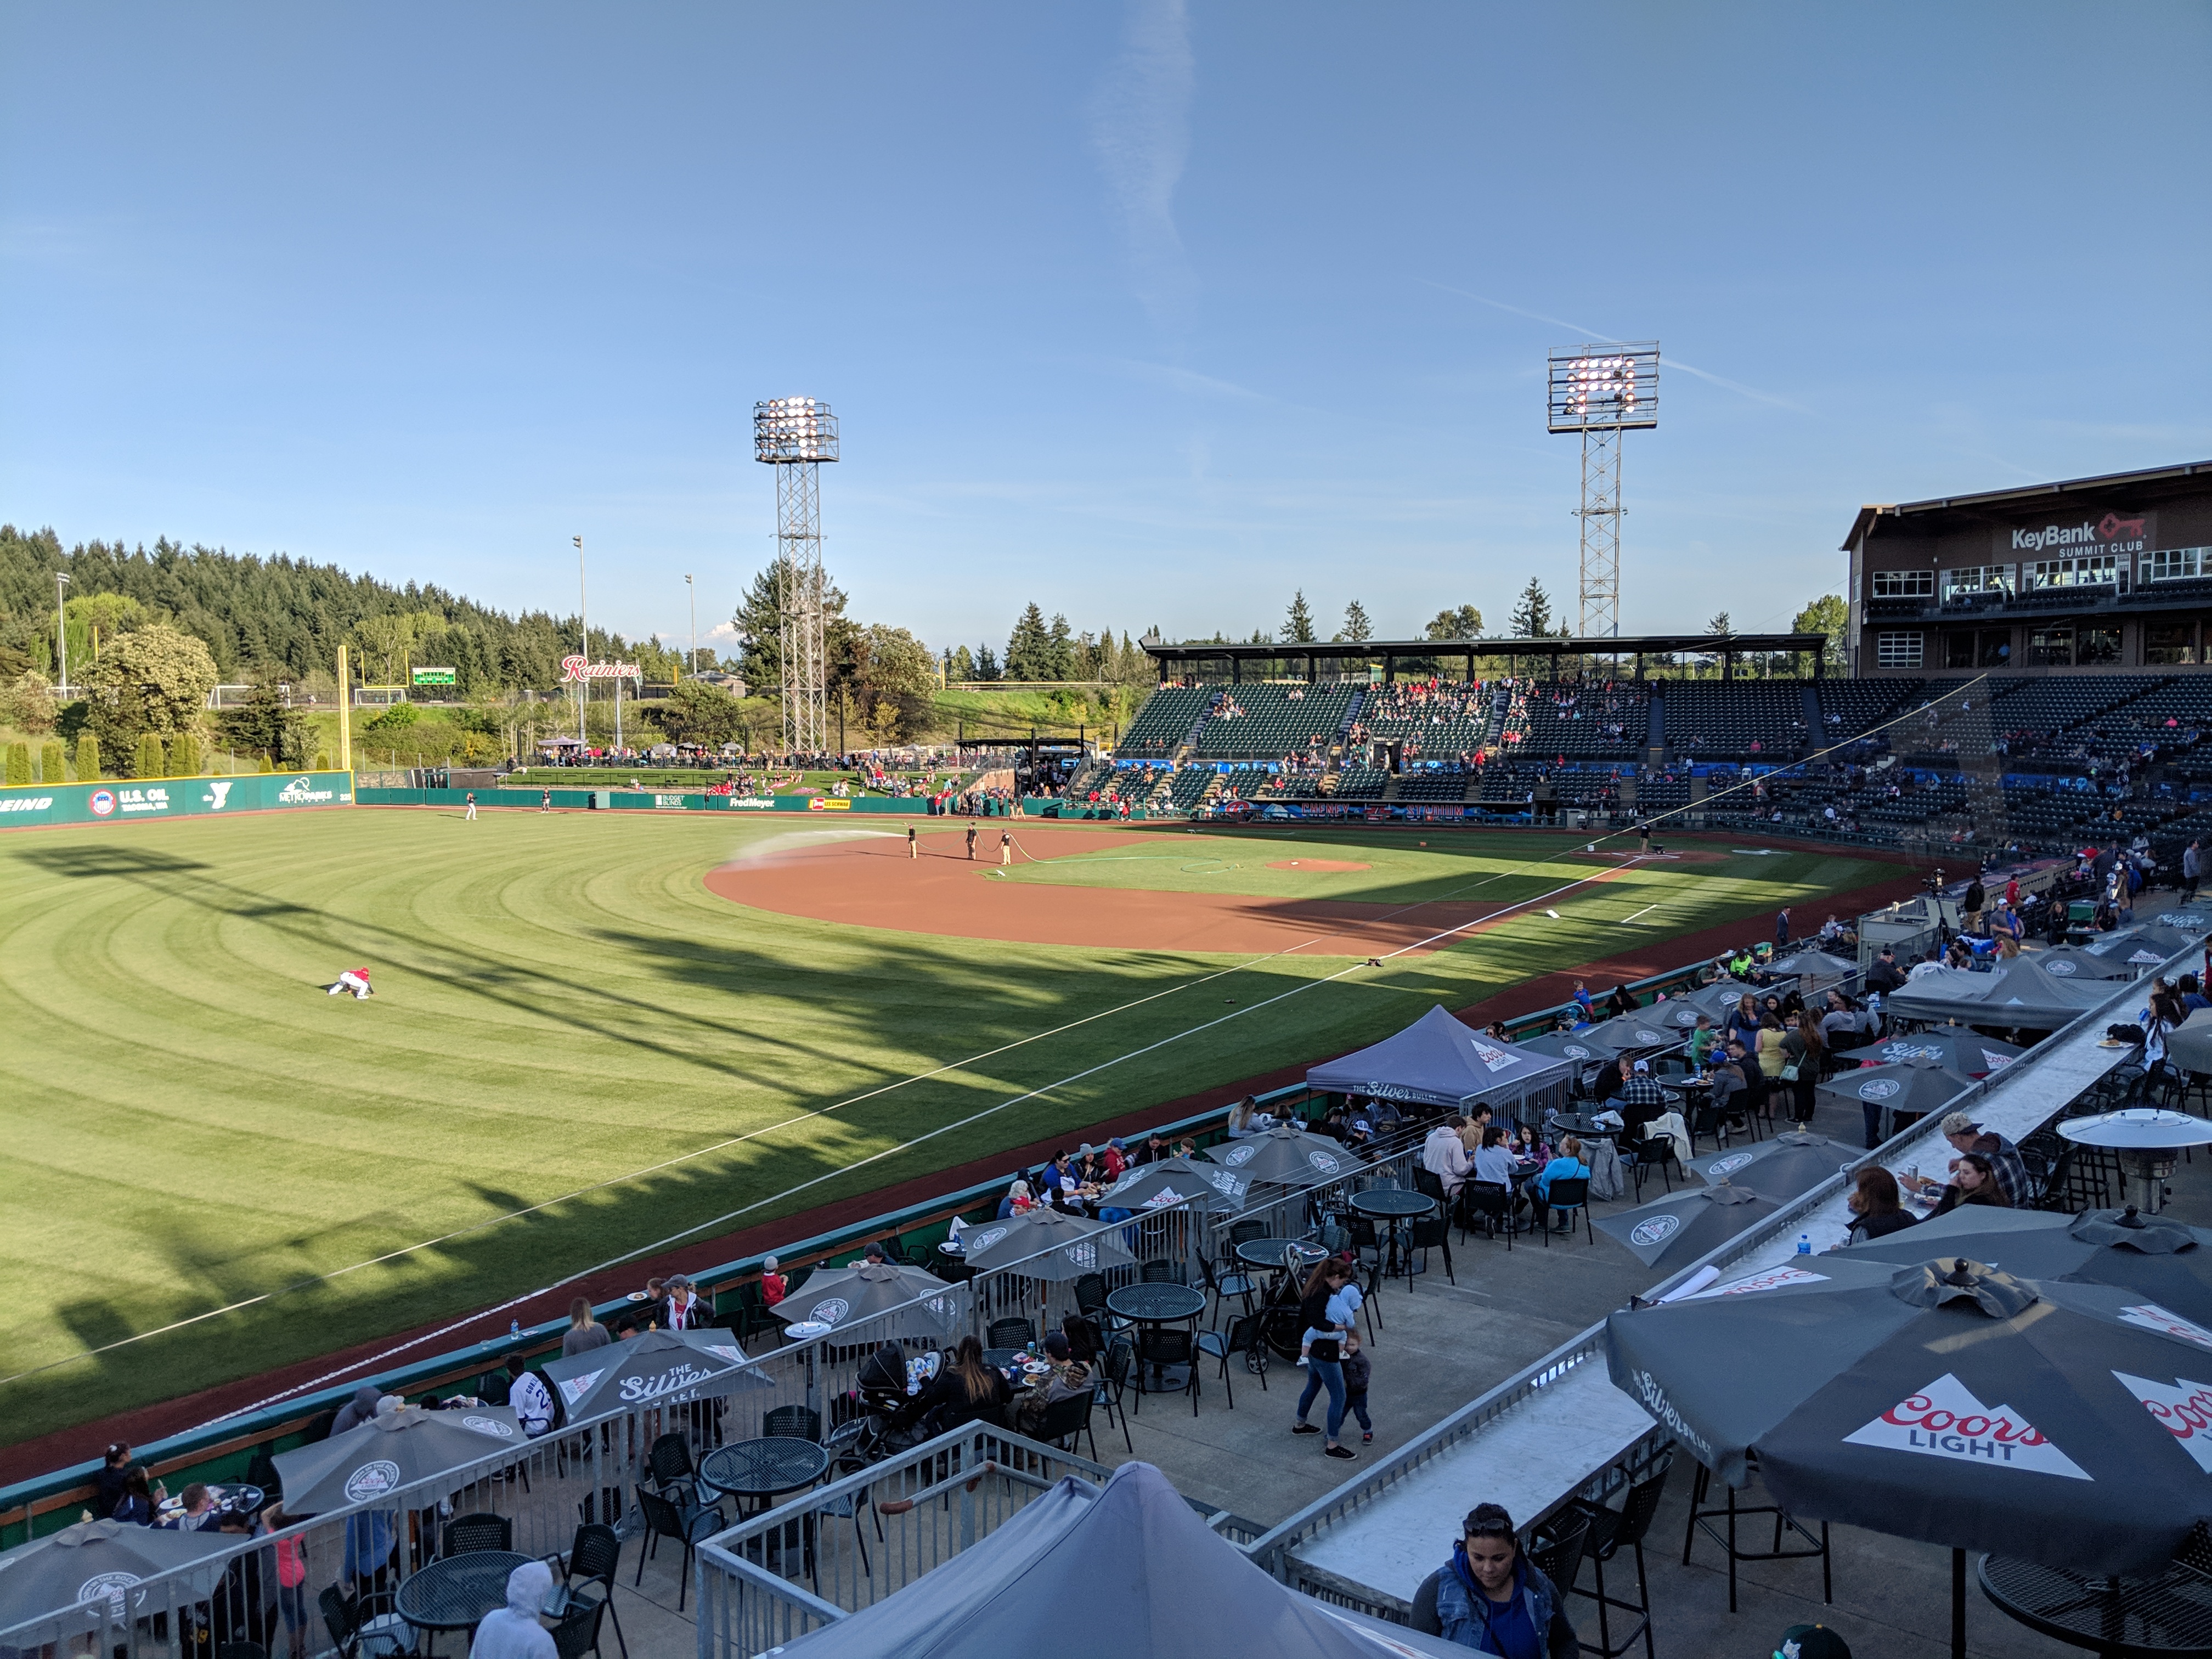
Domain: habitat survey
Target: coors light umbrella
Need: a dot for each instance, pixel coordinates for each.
(1966, 1051)
(1794, 1161)
(1047, 1244)
(660, 1368)
(1686, 1225)
(96, 1558)
(389, 1452)
(1285, 1156)
(2169, 1263)
(1178, 1181)
(1946, 1403)
(921, 1304)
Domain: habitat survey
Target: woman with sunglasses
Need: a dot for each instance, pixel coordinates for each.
(1491, 1598)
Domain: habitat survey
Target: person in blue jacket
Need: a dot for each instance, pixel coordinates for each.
(1490, 1597)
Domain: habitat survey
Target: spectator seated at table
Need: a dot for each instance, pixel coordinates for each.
(1567, 1166)
(107, 1482)
(1240, 1118)
(1620, 1004)
(1155, 1148)
(197, 1513)
(515, 1632)
(1015, 1202)
(1876, 1210)
(1731, 1083)
(1611, 1081)
(357, 1410)
(967, 1391)
(531, 1400)
(774, 1285)
(1068, 1379)
(1642, 1099)
(1494, 1162)
(1491, 1598)
(1967, 1136)
(136, 1500)
(1703, 1039)
(1973, 1180)
(1443, 1155)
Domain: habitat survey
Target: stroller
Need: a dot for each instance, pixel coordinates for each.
(889, 1394)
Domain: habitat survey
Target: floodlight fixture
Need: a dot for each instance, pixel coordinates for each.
(788, 431)
(793, 435)
(1596, 388)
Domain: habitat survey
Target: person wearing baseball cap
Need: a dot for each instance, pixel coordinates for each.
(1812, 1642)
(1965, 1136)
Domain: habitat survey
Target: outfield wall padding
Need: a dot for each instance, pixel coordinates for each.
(120, 800)
(692, 800)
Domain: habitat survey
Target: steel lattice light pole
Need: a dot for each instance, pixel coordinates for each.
(794, 435)
(1601, 391)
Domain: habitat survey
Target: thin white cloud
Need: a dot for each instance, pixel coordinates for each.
(1594, 335)
(1141, 133)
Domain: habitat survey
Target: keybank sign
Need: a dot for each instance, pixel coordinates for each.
(2109, 534)
(124, 800)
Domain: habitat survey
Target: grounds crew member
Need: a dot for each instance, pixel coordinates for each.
(1005, 847)
(971, 839)
(913, 844)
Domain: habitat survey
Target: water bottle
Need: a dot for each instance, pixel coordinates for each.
(1804, 1244)
(515, 1329)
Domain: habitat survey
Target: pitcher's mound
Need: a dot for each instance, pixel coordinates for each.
(1326, 867)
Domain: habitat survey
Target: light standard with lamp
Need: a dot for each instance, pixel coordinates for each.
(691, 663)
(61, 627)
(584, 624)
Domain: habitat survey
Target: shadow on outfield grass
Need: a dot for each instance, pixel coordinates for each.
(79, 861)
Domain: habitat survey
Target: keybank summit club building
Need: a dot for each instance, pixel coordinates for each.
(2102, 575)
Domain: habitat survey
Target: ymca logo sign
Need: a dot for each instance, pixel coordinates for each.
(1945, 1421)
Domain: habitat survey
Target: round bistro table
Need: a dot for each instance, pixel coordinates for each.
(2153, 1615)
(455, 1592)
(763, 1469)
(1395, 1206)
(1162, 1304)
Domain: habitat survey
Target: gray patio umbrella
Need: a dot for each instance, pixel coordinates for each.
(387, 1453)
(1684, 1225)
(2164, 1260)
(2019, 993)
(1286, 1158)
(1812, 970)
(1964, 1051)
(1576, 1046)
(1047, 1244)
(1794, 1161)
(925, 1306)
(1908, 1085)
(1175, 1180)
(2189, 1045)
(1943, 1401)
(95, 1558)
(1636, 1033)
(1181, 1591)
(660, 1368)
(2071, 962)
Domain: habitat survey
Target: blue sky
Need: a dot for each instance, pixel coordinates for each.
(1149, 314)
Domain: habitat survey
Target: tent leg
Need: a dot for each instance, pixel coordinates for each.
(1958, 1604)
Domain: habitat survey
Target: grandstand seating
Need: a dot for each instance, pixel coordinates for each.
(1851, 708)
(1269, 720)
(1165, 719)
(1584, 721)
(1362, 783)
(1761, 719)
(1440, 783)
(1434, 720)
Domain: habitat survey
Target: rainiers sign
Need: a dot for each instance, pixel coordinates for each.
(2126, 534)
(123, 800)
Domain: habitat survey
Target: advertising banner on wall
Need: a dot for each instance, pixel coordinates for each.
(121, 800)
(2120, 533)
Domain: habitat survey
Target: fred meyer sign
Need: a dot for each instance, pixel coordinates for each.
(121, 800)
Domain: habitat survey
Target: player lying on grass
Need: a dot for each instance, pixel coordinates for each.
(354, 980)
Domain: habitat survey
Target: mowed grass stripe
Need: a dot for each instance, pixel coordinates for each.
(188, 1120)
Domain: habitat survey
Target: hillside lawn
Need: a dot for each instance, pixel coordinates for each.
(189, 1121)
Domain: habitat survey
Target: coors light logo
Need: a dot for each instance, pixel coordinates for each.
(2182, 1408)
(1944, 1420)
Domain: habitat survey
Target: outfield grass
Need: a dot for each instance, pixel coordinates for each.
(189, 1121)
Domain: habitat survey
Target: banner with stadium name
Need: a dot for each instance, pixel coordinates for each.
(119, 801)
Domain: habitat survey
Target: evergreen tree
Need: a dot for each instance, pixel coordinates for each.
(1357, 628)
(264, 724)
(1532, 617)
(148, 762)
(88, 758)
(184, 754)
(1060, 649)
(265, 766)
(963, 664)
(1719, 624)
(987, 664)
(1029, 648)
(53, 762)
(19, 763)
(1298, 621)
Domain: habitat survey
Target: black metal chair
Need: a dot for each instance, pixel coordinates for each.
(1556, 1550)
(1163, 1272)
(1431, 1232)
(746, 1314)
(664, 1520)
(1009, 1333)
(467, 1533)
(1242, 1337)
(669, 1462)
(578, 1632)
(594, 1558)
(1570, 1196)
(1066, 1421)
(1113, 1384)
(1613, 1531)
(1168, 1345)
(1090, 1296)
(367, 1626)
(1244, 1232)
(1220, 1286)
(1657, 1152)
(1703, 1517)
(847, 1457)
(1489, 1205)
(793, 1422)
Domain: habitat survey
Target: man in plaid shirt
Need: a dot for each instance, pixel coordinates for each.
(1641, 1099)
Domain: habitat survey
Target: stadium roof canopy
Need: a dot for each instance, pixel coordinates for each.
(1994, 505)
(1174, 658)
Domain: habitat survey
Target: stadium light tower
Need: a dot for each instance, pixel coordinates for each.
(1601, 391)
(794, 435)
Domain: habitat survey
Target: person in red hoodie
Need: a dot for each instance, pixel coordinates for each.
(354, 980)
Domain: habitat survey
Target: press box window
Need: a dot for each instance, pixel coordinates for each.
(2096, 646)
(1904, 584)
(2176, 564)
(1976, 578)
(2051, 647)
(2168, 645)
(1899, 650)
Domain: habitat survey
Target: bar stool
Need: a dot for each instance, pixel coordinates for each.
(1611, 1532)
(1702, 1517)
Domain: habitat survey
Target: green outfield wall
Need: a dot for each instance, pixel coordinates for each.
(121, 800)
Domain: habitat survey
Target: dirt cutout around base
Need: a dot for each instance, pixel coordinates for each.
(870, 881)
